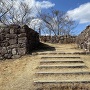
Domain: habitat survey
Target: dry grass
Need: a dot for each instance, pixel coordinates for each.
(18, 74)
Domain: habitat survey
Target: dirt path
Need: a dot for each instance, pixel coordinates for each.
(19, 74)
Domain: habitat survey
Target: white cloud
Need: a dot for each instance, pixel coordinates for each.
(35, 23)
(44, 4)
(35, 5)
(81, 14)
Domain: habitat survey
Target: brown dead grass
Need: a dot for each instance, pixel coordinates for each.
(18, 74)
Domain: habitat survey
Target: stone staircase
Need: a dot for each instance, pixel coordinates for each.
(61, 71)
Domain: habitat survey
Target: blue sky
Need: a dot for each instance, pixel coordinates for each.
(74, 5)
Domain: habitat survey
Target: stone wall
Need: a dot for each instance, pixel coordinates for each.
(16, 41)
(58, 39)
(83, 40)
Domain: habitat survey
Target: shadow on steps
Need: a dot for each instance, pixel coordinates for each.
(44, 47)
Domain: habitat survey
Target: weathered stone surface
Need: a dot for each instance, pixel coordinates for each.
(12, 41)
(21, 51)
(8, 56)
(3, 50)
(14, 51)
(22, 35)
(22, 45)
(2, 37)
(83, 39)
(13, 46)
(22, 40)
(1, 57)
(22, 30)
(1, 30)
(4, 44)
(11, 36)
(11, 31)
(16, 56)
(9, 50)
(6, 30)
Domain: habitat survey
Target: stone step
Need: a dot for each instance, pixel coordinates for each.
(61, 81)
(60, 57)
(73, 72)
(63, 66)
(62, 77)
(60, 52)
(63, 69)
(62, 61)
(59, 63)
(53, 53)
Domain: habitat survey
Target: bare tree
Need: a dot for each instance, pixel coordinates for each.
(5, 7)
(12, 15)
(58, 22)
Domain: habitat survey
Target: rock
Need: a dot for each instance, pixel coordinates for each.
(13, 46)
(2, 37)
(6, 30)
(1, 57)
(8, 56)
(12, 41)
(4, 50)
(22, 35)
(22, 40)
(34, 54)
(16, 56)
(14, 51)
(1, 30)
(22, 30)
(11, 36)
(22, 45)
(21, 51)
(11, 31)
(4, 43)
(9, 51)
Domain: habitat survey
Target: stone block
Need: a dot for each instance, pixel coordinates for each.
(12, 41)
(1, 57)
(11, 36)
(6, 30)
(21, 51)
(4, 50)
(4, 43)
(16, 56)
(22, 35)
(11, 31)
(13, 46)
(22, 40)
(8, 56)
(14, 51)
(2, 37)
(1, 30)
(22, 45)
(9, 50)
(22, 30)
